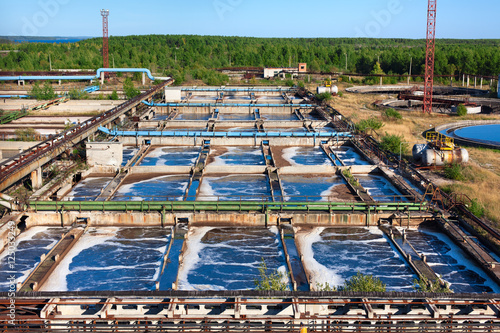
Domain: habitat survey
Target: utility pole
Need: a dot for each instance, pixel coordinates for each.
(105, 50)
(345, 62)
(50, 63)
(409, 72)
(429, 56)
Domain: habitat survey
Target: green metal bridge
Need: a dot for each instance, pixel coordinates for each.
(239, 206)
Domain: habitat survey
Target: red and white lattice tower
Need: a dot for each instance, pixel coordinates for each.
(105, 59)
(429, 56)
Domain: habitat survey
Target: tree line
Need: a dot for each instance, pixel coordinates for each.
(191, 56)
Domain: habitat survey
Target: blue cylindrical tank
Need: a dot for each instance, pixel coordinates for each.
(418, 151)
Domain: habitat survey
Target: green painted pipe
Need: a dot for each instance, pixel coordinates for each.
(219, 206)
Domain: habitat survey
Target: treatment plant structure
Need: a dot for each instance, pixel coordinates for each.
(184, 192)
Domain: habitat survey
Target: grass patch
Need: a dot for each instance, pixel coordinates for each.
(392, 115)
(350, 178)
(454, 171)
(477, 208)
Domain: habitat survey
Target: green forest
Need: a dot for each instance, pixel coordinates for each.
(189, 56)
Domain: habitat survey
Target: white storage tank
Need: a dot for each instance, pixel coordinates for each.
(331, 90)
(470, 109)
(442, 157)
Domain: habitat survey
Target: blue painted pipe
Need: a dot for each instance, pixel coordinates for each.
(238, 89)
(228, 104)
(15, 96)
(225, 134)
(80, 77)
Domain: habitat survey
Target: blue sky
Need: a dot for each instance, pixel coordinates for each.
(258, 18)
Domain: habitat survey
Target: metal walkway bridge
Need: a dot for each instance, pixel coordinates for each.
(19, 166)
(238, 134)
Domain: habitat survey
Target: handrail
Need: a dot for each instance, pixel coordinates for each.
(324, 134)
(229, 105)
(221, 206)
(56, 141)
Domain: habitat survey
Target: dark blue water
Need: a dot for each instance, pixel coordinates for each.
(309, 188)
(88, 189)
(113, 259)
(449, 261)
(163, 188)
(240, 156)
(306, 156)
(173, 156)
(349, 156)
(483, 133)
(128, 153)
(30, 245)
(339, 253)
(296, 264)
(380, 188)
(229, 258)
(169, 276)
(235, 187)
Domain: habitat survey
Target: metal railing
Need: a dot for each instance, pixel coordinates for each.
(262, 204)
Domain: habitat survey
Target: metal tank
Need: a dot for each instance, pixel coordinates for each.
(442, 157)
(418, 151)
(330, 90)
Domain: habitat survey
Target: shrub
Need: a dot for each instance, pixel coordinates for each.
(461, 110)
(391, 114)
(78, 94)
(270, 280)
(43, 93)
(394, 144)
(129, 89)
(324, 97)
(289, 83)
(325, 287)
(454, 171)
(370, 124)
(113, 96)
(363, 283)
(26, 134)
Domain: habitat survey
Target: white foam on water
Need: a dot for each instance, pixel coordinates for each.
(327, 193)
(289, 154)
(457, 254)
(126, 190)
(284, 273)
(273, 229)
(191, 257)
(57, 281)
(206, 192)
(319, 274)
(27, 235)
(219, 161)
